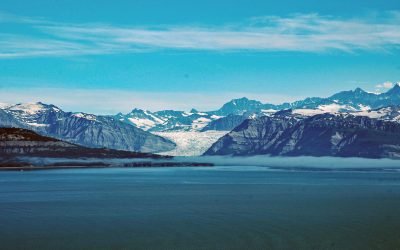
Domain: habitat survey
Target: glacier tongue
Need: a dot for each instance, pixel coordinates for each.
(191, 143)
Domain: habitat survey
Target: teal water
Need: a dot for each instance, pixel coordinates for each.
(199, 208)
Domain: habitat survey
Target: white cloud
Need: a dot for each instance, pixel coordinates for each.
(305, 33)
(385, 85)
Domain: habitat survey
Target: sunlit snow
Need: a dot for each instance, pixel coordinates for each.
(191, 143)
(28, 108)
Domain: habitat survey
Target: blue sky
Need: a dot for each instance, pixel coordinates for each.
(112, 56)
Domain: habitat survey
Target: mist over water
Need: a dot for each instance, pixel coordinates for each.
(304, 162)
(245, 163)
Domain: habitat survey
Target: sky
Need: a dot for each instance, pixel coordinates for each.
(106, 57)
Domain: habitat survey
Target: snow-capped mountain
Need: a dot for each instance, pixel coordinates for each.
(35, 114)
(81, 128)
(185, 129)
(350, 123)
(167, 120)
(287, 134)
(142, 119)
(352, 100)
(194, 131)
(235, 111)
(240, 106)
(389, 113)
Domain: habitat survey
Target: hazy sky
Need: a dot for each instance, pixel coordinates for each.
(110, 56)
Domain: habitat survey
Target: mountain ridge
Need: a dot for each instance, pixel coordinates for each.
(19, 141)
(146, 131)
(283, 134)
(241, 108)
(82, 128)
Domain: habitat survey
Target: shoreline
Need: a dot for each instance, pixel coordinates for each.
(129, 165)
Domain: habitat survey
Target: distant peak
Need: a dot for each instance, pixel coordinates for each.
(137, 110)
(33, 107)
(359, 90)
(240, 99)
(395, 89)
(396, 86)
(244, 100)
(38, 104)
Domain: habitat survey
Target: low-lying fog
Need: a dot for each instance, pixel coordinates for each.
(297, 162)
(291, 163)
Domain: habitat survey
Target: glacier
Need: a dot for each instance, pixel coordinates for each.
(191, 143)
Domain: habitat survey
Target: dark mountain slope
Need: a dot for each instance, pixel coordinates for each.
(26, 143)
(320, 135)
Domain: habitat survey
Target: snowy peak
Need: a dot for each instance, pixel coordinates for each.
(141, 112)
(36, 114)
(352, 96)
(239, 106)
(167, 120)
(142, 119)
(360, 97)
(359, 91)
(234, 111)
(394, 91)
(33, 107)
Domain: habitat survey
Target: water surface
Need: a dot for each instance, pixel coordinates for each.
(199, 208)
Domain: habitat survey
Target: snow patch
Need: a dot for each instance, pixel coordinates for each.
(363, 107)
(336, 138)
(333, 108)
(269, 111)
(370, 113)
(86, 116)
(215, 117)
(34, 124)
(308, 112)
(144, 124)
(200, 123)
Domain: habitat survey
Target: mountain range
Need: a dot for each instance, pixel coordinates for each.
(81, 128)
(288, 134)
(190, 133)
(236, 111)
